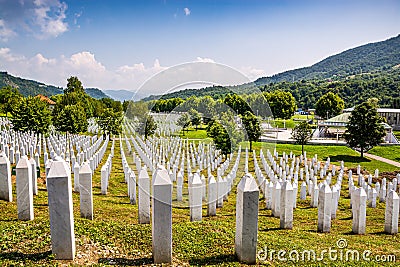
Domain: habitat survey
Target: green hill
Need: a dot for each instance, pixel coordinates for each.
(32, 88)
(367, 58)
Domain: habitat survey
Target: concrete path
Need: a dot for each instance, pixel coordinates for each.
(388, 161)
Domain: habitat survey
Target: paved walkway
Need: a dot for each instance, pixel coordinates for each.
(388, 161)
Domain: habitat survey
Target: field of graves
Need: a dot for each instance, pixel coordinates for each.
(110, 232)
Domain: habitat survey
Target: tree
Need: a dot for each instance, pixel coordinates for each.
(252, 126)
(9, 98)
(71, 119)
(301, 133)
(282, 104)
(220, 136)
(110, 121)
(31, 114)
(329, 105)
(237, 103)
(150, 126)
(74, 85)
(364, 129)
(195, 117)
(184, 121)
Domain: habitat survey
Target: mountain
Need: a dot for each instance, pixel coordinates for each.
(120, 95)
(32, 88)
(28, 87)
(96, 93)
(367, 58)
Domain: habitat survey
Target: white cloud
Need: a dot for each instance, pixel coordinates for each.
(89, 70)
(187, 11)
(200, 59)
(5, 32)
(93, 73)
(41, 18)
(253, 73)
(50, 16)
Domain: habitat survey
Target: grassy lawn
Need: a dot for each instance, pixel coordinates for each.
(114, 237)
(389, 152)
(292, 121)
(336, 153)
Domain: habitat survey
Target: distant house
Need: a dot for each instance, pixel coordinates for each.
(50, 102)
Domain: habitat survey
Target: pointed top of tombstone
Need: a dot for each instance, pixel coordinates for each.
(211, 179)
(248, 184)
(23, 162)
(161, 176)
(143, 172)
(196, 179)
(325, 188)
(85, 168)
(393, 195)
(361, 192)
(58, 169)
(3, 158)
(76, 165)
(287, 186)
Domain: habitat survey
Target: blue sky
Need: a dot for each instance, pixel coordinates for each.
(119, 44)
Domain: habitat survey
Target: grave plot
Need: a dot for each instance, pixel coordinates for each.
(130, 201)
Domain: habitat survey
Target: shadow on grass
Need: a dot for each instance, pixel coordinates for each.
(348, 158)
(126, 262)
(271, 229)
(25, 256)
(213, 260)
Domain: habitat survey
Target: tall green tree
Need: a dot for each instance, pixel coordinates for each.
(31, 114)
(9, 98)
(74, 85)
(282, 104)
(220, 136)
(365, 129)
(184, 121)
(195, 117)
(329, 105)
(110, 121)
(252, 126)
(71, 119)
(237, 103)
(150, 126)
(301, 133)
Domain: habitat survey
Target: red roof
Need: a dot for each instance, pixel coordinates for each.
(46, 99)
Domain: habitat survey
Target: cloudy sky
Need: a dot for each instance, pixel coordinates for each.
(119, 44)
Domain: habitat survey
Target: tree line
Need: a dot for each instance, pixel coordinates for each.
(70, 114)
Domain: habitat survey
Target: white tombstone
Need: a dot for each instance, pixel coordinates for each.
(34, 176)
(76, 176)
(162, 216)
(24, 189)
(303, 191)
(392, 213)
(104, 179)
(314, 195)
(132, 187)
(335, 201)
(286, 206)
(195, 194)
(5, 179)
(212, 196)
(276, 197)
(268, 194)
(324, 209)
(179, 186)
(61, 211)
(359, 210)
(85, 190)
(246, 220)
(144, 195)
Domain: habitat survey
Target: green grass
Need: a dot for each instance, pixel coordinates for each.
(336, 153)
(114, 237)
(389, 152)
(295, 119)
